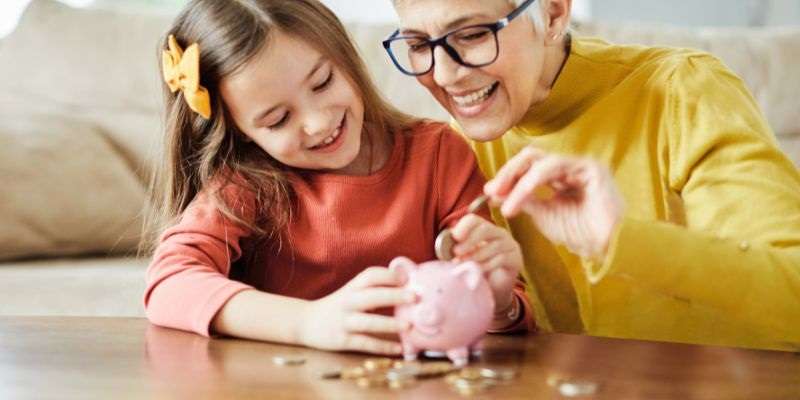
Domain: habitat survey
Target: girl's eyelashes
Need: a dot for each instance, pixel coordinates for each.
(322, 86)
(280, 123)
(325, 83)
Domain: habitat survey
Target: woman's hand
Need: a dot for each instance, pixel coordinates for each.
(573, 201)
(495, 250)
(340, 321)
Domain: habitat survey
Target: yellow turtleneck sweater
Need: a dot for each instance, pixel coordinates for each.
(709, 248)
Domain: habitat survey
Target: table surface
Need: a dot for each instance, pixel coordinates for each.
(102, 358)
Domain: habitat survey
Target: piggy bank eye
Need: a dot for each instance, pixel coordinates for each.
(439, 290)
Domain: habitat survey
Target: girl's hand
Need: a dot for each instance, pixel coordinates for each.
(573, 201)
(495, 250)
(340, 321)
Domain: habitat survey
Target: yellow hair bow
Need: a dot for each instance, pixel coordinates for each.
(182, 72)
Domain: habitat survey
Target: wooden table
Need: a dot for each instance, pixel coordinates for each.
(111, 358)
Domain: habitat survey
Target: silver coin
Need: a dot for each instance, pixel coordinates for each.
(477, 204)
(577, 388)
(288, 360)
(444, 245)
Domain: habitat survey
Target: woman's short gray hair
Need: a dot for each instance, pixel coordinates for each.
(534, 11)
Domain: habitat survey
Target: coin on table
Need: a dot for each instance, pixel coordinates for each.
(573, 388)
(376, 364)
(288, 360)
(353, 372)
(443, 245)
(436, 369)
(500, 374)
(469, 386)
(371, 381)
(400, 378)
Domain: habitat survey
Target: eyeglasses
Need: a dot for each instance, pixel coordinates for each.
(472, 46)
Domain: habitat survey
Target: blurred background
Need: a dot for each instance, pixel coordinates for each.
(674, 12)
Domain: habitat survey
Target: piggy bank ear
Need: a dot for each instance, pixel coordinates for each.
(403, 267)
(470, 273)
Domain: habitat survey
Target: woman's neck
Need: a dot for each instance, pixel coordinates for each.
(555, 58)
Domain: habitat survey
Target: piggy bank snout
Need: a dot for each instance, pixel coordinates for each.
(427, 315)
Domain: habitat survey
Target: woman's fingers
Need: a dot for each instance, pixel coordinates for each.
(471, 232)
(369, 344)
(539, 174)
(505, 179)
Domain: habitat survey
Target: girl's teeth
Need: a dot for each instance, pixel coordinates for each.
(474, 97)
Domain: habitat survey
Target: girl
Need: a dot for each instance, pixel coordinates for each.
(286, 176)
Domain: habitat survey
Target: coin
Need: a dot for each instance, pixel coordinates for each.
(569, 388)
(468, 386)
(375, 364)
(500, 374)
(331, 375)
(444, 245)
(288, 360)
(476, 204)
(353, 373)
(371, 381)
(435, 369)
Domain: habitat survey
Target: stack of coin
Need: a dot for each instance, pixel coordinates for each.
(471, 380)
(385, 372)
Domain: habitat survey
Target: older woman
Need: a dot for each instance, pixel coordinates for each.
(655, 203)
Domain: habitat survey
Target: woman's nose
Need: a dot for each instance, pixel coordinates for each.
(445, 69)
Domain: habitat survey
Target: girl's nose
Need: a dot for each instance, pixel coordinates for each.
(318, 122)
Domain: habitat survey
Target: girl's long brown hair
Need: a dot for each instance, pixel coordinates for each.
(198, 154)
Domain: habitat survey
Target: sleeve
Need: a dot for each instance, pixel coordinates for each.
(459, 182)
(739, 251)
(187, 279)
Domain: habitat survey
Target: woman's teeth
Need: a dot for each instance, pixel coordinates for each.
(474, 97)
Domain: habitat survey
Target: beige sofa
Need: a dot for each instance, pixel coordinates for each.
(79, 117)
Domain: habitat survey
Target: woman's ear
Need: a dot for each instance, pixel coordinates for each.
(557, 17)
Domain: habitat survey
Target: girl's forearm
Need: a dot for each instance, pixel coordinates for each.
(252, 314)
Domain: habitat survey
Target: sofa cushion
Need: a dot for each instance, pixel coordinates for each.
(101, 64)
(66, 189)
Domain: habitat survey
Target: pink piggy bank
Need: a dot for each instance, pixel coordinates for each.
(454, 308)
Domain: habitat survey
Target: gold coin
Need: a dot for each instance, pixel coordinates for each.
(443, 246)
(501, 374)
(371, 381)
(470, 373)
(436, 368)
(353, 372)
(401, 383)
(288, 360)
(469, 386)
(375, 364)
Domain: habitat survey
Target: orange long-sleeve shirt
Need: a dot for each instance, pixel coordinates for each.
(340, 226)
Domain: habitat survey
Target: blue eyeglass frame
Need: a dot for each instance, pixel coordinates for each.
(442, 41)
